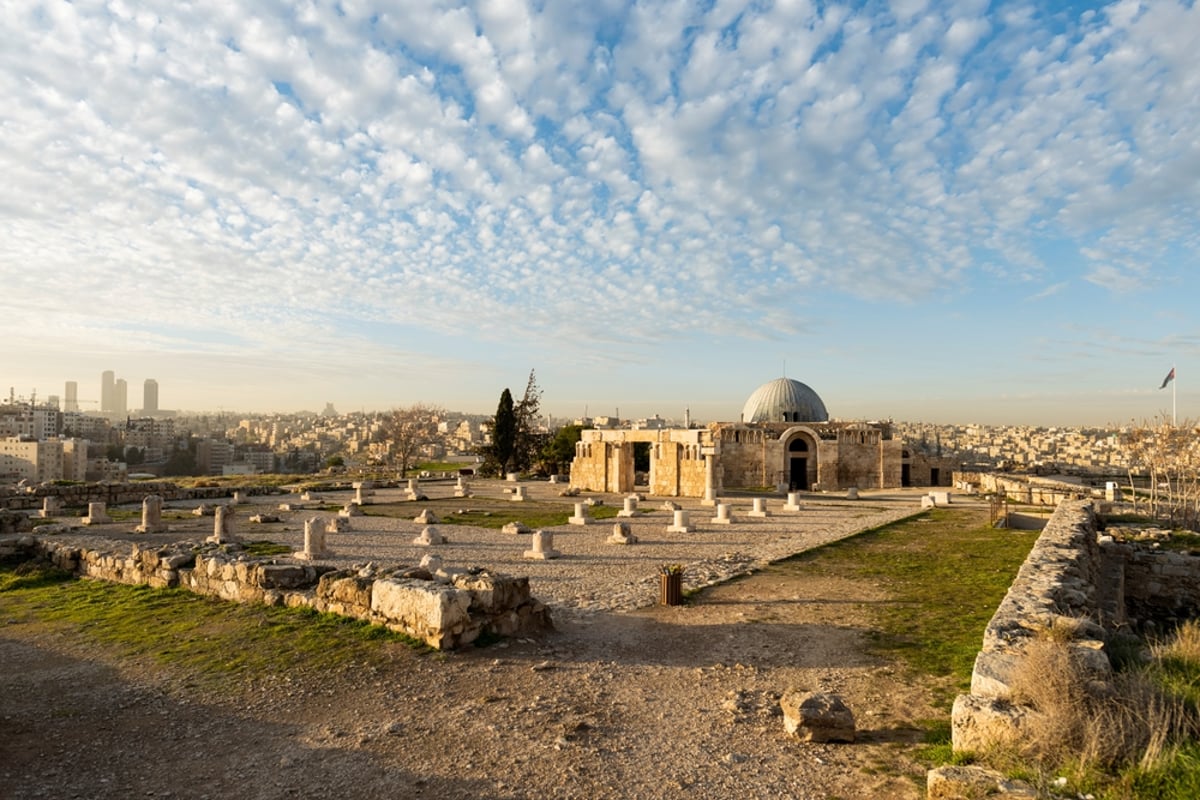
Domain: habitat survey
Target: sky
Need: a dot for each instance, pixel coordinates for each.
(934, 212)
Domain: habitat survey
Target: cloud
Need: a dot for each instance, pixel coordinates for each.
(281, 174)
(1049, 291)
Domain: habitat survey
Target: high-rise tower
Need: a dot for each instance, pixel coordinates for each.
(71, 403)
(108, 390)
(120, 398)
(150, 397)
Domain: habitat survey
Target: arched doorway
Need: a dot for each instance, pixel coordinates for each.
(798, 465)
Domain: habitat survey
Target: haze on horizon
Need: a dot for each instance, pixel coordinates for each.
(925, 211)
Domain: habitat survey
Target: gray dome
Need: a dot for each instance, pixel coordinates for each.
(784, 400)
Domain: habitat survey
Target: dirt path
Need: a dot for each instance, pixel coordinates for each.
(663, 703)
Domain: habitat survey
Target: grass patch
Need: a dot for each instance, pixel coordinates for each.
(30, 575)
(440, 466)
(1182, 542)
(266, 548)
(944, 572)
(236, 481)
(211, 639)
(489, 513)
(1129, 519)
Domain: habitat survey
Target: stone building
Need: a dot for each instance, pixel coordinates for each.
(784, 441)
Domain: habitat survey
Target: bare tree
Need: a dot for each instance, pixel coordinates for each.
(410, 431)
(528, 440)
(1167, 455)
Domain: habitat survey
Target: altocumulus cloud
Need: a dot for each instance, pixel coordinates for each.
(541, 168)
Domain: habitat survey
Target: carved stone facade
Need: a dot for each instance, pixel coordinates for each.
(781, 456)
(784, 442)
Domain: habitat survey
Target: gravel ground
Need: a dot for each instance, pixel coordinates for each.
(591, 575)
(625, 699)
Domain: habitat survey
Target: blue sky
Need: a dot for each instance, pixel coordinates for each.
(938, 212)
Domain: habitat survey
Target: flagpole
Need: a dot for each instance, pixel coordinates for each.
(1174, 383)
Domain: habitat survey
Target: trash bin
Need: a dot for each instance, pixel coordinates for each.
(670, 588)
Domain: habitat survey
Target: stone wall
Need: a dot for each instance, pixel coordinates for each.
(445, 611)
(1054, 598)
(604, 461)
(80, 494)
(1076, 587)
(1024, 489)
(1154, 585)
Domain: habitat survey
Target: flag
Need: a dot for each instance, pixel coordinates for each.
(1170, 377)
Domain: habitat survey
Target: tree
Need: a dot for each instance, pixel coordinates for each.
(182, 460)
(1166, 454)
(410, 430)
(527, 440)
(559, 451)
(516, 441)
(504, 433)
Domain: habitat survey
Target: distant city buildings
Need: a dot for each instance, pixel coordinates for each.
(89, 439)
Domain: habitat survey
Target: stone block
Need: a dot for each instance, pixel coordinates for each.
(993, 674)
(817, 717)
(346, 587)
(967, 783)
(980, 724)
(284, 576)
(621, 534)
(432, 612)
(493, 594)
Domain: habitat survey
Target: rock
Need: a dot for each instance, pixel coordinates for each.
(964, 783)
(817, 716)
(621, 534)
(980, 724)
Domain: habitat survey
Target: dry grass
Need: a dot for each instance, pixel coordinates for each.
(1084, 723)
(1183, 646)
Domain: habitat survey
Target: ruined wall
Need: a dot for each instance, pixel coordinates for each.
(1023, 489)
(693, 471)
(604, 461)
(445, 611)
(1055, 590)
(677, 469)
(664, 469)
(1077, 585)
(621, 476)
(589, 469)
(30, 497)
(1159, 585)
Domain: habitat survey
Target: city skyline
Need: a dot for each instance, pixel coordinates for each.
(927, 213)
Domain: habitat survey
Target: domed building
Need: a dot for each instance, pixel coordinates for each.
(783, 442)
(784, 400)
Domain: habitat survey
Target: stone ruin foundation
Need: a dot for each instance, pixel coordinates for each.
(445, 611)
